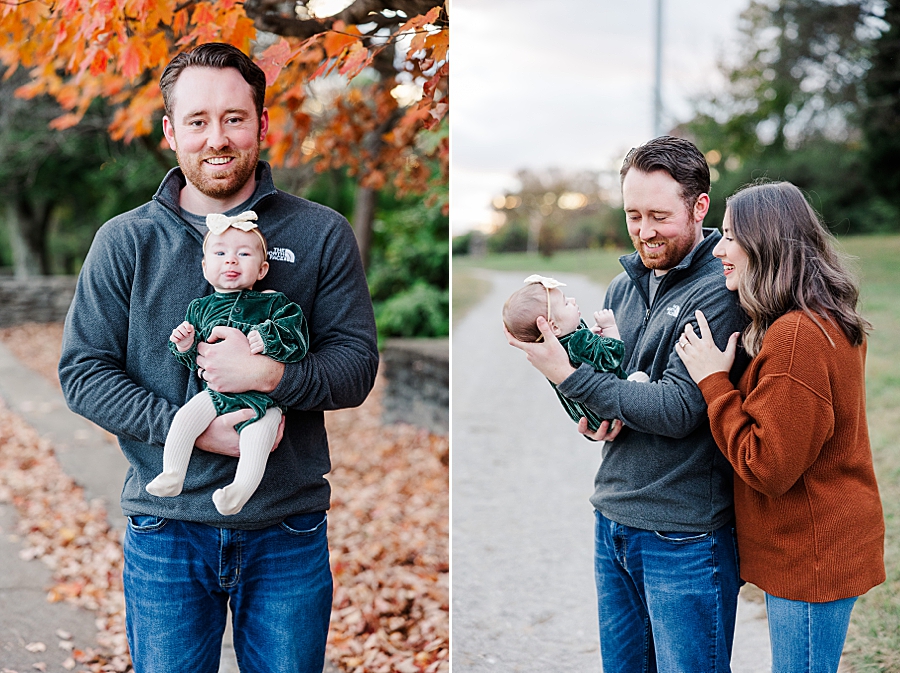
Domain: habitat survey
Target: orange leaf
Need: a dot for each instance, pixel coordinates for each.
(161, 12)
(65, 121)
(239, 31)
(203, 14)
(335, 43)
(179, 23)
(357, 59)
(30, 90)
(323, 69)
(12, 66)
(421, 20)
(98, 64)
(436, 114)
(417, 43)
(133, 58)
(69, 7)
(438, 43)
(274, 59)
(67, 97)
(158, 50)
(61, 36)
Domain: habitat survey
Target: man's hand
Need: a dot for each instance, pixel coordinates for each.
(221, 437)
(547, 356)
(700, 354)
(229, 366)
(183, 336)
(607, 431)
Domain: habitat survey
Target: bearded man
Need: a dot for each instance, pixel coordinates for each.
(184, 562)
(665, 558)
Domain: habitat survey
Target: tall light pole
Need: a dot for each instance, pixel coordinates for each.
(657, 85)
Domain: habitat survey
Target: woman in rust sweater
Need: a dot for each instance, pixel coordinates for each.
(809, 521)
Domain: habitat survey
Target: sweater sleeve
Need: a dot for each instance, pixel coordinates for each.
(671, 405)
(92, 366)
(774, 435)
(284, 334)
(339, 369)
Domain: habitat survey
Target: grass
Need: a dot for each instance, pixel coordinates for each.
(468, 289)
(873, 643)
(598, 265)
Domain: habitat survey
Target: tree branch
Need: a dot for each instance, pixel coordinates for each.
(269, 15)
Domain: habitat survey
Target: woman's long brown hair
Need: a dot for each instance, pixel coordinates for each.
(793, 264)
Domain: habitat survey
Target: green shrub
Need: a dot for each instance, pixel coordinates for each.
(420, 311)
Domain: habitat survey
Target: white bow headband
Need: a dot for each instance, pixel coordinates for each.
(218, 224)
(546, 281)
(549, 284)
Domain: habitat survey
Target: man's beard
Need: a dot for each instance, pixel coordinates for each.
(228, 182)
(675, 250)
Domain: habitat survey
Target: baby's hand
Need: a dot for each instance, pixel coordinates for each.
(183, 336)
(606, 324)
(256, 342)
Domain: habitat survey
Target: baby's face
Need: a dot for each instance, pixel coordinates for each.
(565, 312)
(234, 260)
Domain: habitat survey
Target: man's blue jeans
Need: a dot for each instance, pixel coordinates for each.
(179, 578)
(667, 601)
(807, 637)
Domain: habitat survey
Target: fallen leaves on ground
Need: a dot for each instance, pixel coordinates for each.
(388, 532)
(69, 534)
(36, 345)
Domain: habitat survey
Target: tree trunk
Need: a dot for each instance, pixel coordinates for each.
(27, 238)
(363, 219)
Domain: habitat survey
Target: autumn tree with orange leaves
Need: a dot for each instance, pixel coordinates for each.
(366, 58)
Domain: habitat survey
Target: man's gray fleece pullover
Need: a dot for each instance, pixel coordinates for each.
(663, 472)
(142, 271)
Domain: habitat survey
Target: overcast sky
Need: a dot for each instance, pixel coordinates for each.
(568, 84)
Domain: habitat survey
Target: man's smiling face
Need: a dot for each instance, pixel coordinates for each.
(215, 132)
(662, 228)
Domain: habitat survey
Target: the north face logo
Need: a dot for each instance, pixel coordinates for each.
(281, 255)
(673, 310)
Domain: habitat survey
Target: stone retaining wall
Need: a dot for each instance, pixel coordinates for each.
(37, 299)
(418, 383)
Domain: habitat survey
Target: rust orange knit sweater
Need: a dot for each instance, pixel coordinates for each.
(809, 519)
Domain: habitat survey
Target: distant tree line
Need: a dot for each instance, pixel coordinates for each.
(813, 97)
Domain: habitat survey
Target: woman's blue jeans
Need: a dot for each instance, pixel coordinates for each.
(179, 578)
(667, 601)
(807, 637)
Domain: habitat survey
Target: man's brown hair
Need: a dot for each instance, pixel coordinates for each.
(214, 55)
(679, 158)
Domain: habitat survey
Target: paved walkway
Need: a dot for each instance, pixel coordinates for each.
(523, 590)
(93, 459)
